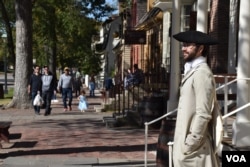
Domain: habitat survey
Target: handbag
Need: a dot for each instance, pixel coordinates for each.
(38, 101)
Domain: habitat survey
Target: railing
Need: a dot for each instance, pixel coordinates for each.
(170, 144)
(225, 86)
(226, 115)
(235, 111)
(146, 133)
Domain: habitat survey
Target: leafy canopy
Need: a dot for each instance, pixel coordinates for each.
(70, 24)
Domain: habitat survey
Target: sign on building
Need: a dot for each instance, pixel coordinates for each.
(135, 37)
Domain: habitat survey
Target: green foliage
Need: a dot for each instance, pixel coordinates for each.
(92, 65)
(8, 7)
(7, 97)
(126, 3)
(67, 24)
(97, 9)
(63, 29)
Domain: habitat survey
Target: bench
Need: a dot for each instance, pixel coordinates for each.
(4, 130)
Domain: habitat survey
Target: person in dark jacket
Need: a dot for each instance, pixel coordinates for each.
(108, 84)
(128, 79)
(138, 76)
(92, 86)
(135, 78)
(35, 86)
(48, 89)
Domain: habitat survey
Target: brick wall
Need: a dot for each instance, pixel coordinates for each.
(219, 26)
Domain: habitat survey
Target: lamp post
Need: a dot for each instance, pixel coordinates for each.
(4, 36)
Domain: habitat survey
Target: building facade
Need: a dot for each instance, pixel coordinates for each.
(160, 56)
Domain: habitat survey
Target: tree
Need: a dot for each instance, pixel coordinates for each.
(8, 30)
(45, 36)
(23, 53)
(61, 37)
(96, 9)
(63, 32)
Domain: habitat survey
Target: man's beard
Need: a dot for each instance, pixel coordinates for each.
(191, 56)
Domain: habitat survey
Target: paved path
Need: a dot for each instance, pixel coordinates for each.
(71, 138)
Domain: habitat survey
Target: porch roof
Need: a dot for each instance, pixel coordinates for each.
(147, 17)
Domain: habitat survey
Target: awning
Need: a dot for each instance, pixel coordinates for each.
(148, 16)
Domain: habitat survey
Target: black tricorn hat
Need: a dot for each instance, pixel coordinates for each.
(196, 37)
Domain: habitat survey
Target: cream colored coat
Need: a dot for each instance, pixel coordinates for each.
(192, 139)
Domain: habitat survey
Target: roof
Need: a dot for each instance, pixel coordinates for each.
(148, 16)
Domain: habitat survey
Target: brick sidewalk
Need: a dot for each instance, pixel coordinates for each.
(73, 134)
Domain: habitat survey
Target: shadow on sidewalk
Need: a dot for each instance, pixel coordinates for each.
(59, 151)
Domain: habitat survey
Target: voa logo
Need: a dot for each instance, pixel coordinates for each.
(236, 158)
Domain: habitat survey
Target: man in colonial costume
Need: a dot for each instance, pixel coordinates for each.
(193, 141)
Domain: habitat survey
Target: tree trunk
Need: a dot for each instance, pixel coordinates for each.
(53, 38)
(23, 53)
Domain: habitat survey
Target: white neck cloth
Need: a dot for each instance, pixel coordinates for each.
(189, 65)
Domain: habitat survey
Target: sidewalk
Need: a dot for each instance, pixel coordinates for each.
(73, 138)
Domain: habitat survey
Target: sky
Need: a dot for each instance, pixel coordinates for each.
(111, 1)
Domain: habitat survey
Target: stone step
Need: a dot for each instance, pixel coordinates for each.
(109, 121)
(99, 108)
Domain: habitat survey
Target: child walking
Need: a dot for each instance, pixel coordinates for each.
(83, 105)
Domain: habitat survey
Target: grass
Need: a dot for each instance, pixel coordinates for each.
(7, 97)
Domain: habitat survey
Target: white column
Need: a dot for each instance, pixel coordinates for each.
(241, 126)
(202, 15)
(232, 36)
(175, 59)
(165, 47)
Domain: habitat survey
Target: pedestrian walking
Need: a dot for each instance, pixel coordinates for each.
(83, 104)
(35, 86)
(77, 83)
(128, 79)
(66, 84)
(48, 89)
(135, 78)
(193, 143)
(92, 86)
(138, 76)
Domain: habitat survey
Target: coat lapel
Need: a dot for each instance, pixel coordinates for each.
(190, 73)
